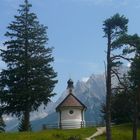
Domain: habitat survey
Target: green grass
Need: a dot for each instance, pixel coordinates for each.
(78, 134)
(121, 132)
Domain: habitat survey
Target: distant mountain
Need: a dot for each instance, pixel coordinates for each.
(12, 122)
(90, 91)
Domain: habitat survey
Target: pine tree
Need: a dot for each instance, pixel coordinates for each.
(133, 41)
(113, 28)
(29, 79)
(134, 77)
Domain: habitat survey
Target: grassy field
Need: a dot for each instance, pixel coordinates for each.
(122, 132)
(77, 134)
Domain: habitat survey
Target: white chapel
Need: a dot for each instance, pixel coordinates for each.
(71, 110)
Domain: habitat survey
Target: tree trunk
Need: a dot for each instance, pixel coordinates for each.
(108, 91)
(136, 115)
(26, 113)
(135, 123)
(27, 121)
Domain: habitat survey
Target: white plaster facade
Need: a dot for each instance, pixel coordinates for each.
(71, 120)
(76, 115)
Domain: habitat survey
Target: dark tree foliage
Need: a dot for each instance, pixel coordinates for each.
(132, 45)
(113, 28)
(135, 79)
(29, 79)
(121, 108)
(121, 102)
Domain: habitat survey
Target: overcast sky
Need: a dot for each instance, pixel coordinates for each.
(75, 31)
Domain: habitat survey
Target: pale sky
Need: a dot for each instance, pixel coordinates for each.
(75, 31)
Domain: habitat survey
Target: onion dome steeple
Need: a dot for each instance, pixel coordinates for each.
(70, 86)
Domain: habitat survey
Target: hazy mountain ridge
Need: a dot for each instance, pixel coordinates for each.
(91, 92)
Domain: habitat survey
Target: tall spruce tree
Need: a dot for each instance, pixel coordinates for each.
(113, 28)
(29, 79)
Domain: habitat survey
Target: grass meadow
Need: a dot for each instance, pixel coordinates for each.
(121, 132)
(77, 134)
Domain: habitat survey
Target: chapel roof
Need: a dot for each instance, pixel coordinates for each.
(70, 101)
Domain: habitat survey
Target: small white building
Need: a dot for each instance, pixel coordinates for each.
(71, 110)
